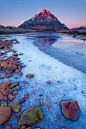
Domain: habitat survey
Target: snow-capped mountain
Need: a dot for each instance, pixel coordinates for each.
(43, 20)
(79, 28)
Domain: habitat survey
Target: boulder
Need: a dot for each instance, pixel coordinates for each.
(70, 109)
(12, 67)
(30, 116)
(5, 113)
(5, 84)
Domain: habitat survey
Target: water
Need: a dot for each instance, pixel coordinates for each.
(60, 59)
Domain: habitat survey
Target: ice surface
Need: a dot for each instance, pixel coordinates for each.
(67, 83)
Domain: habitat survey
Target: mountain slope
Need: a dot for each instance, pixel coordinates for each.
(43, 20)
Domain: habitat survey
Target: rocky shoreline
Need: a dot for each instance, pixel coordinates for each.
(12, 64)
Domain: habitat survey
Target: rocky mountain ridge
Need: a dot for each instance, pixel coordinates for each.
(79, 28)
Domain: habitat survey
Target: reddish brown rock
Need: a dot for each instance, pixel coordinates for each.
(15, 92)
(12, 67)
(63, 128)
(11, 62)
(7, 91)
(18, 87)
(5, 84)
(9, 57)
(25, 82)
(30, 75)
(33, 92)
(10, 104)
(14, 51)
(20, 73)
(29, 128)
(41, 103)
(48, 106)
(23, 127)
(9, 126)
(3, 75)
(26, 96)
(22, 101)
(1, 53)
(15, 54)
(58, 116)
(70, 109)
(9, 75)
(5, 98)
(11, 97)
(9, 72)
(18, 127)
(17, 71)
(1, 97)
(1, 60)
(1, 89)
(4, 64)
(5, 113)
(49, 82)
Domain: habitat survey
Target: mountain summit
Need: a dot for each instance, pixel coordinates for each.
(45, 21)
(44, 14)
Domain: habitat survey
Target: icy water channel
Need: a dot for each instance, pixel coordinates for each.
(60, 59)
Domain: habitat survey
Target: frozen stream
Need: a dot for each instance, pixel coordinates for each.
(60, 59)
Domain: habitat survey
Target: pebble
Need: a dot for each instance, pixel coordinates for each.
(15, 92)
(18, 87)
(26, 96)
(41, 103)
(48, 106)
(3, 75)
(49, 82)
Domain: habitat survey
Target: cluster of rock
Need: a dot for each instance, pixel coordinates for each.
(11, 64)
(30, 116)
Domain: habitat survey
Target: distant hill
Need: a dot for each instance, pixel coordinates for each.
(79, 28)
(43, 20)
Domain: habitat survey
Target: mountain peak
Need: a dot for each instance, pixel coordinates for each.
(43, 20)
(44, 14)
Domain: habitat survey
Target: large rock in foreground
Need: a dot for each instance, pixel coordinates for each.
(30, 116)
(5, 113)
(70, 109)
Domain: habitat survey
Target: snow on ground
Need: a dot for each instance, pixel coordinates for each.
(67, 83)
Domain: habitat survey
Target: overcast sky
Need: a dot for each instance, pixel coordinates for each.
(70, 12)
